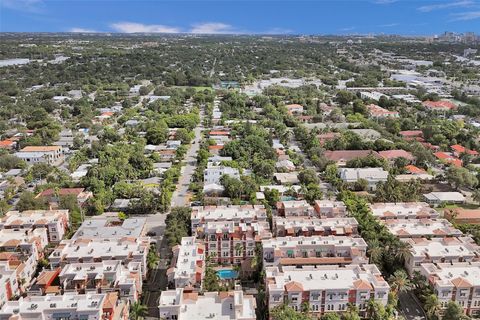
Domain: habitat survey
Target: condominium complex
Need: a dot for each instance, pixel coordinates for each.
(325, 288)
(232, 242)
(55, 222)
(103, 277)
(235, 213)
(109, 226)
(224, 305)
(310, 226)
(314, 250)
(403, 210)
(25, 241)
(294, 208)
(188, 264)
(440, 250)
(98, 250)
(330, 209)
(419, 228)
(105, 306)
(459, 282)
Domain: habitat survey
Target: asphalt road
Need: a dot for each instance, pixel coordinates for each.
(410, 307)
(180, 196)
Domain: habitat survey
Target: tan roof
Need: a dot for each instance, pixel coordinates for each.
(294, 286)
(461, 283)
(110, 300)
(41, 148)
(362, 284)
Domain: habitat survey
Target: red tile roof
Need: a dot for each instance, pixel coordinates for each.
(442, 104)
(393, 154)
(414, 170)
(61, 192)
(347, 155)
(411, 133)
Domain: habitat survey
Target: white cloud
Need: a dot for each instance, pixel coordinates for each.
(32, 6)
(213, 28)
(388, 25)
(384, 1)
(133, 27)
(440, 6)
(464, 16)
(82, 30)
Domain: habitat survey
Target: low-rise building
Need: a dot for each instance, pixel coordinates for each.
(315, 250)
(228, 242)
(439, 106)
(341, 157)
(419, 228)
(52, 155)
(326, 288)
(330, 209)
(392, 155)
(180, 305)
(104, 306)
(55, 222)
(9, 282)
(294, 208)
(86, 250)
(459, 282)
(212, 174)
(440, 250)
(371, 175)
(188, 264)
(53, 196)
(28, 241)
(378, 112)
(313, 226)
(403, 210)
(439, 197)
(462, 215)
(236, 213)
(109, 226)
(103, 277)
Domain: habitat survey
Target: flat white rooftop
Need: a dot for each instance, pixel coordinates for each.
(110, 228)
(406, 210)
(421, 228)
(444, 247)
(233, 212)
(447, 274)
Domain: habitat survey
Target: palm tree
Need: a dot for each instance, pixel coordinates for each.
(375, 250)
(476, 196)
(432, 306)
(400, 282)
(138, 311)
(403, 251)
(152, 258)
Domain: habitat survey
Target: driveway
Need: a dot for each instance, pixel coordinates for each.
(410, 307)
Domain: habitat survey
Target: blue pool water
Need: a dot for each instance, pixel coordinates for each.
(227, 274)
(287, 198)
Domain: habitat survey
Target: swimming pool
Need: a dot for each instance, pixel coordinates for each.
(227, 274)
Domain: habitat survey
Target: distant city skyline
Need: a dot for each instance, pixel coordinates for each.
(242, 17)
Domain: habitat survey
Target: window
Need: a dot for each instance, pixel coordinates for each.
(294, 299)
(445, 293)
(276, 298)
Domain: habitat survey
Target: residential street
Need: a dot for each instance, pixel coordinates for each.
(410, 307)
(180, 196)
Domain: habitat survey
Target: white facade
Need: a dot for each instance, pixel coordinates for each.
(212, 174)
(52, 155)
(371, 175)
(403, 210)
(187, 263)
(419, 228)
(178, 305)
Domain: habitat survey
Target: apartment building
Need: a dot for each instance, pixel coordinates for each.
(462, 215)
(9, 283)
(232, 242)
(312, 226)
(180, 305)
(52, 155)
(440, 250)
(403, 210)
(378, 112)
(23, 264)
(294, 208)
(235, 213)
(212, 174)
(459, 282)
(56, 222)
(25, 241)
(109, 226)
(315, 250)
(326, 288)
(330, 209)
(97, 250)
(69, 306)
(420, 228)
(188, 264)
(103, 277)
(371, 175)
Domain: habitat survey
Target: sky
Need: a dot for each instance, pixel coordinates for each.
(405, 17)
